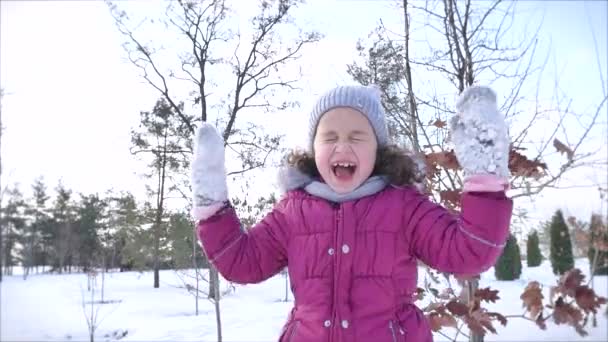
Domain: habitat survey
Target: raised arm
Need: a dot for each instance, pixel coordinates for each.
(245, 256)
(470, 242)
(240, 256)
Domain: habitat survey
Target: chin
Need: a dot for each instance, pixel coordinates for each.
(344, 189)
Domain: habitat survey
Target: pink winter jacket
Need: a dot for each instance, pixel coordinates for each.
(353, 265)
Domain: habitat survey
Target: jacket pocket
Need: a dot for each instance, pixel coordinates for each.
(398, 334)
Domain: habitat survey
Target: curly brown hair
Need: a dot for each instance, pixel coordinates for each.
(391, 161)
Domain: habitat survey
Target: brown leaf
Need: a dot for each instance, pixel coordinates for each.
(520, 165)
(434, 321)
(451, 197)
(437, 321)
(532, 298)
(570, 281)
(448, 320)
(565, 313)
(457, 308)
(439, 123)
(540, 321)
(478, 320)
(587, 300)
(419, 295)
(487, 295)
(475, 326)
(562, 148)
(502, 319)
(435, 306)
(445, 159)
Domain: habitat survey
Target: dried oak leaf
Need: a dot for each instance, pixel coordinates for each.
(562, 148)
(487, 295)
(451, 197)
(457, 308)
(520, 165)
(439, 123)
(587, 300)
(532, 298)
(419, 295)
(434, 321)
(437, 321)
(445, 159)
(436, 307)
(502, 319)
(541, 322)
(477, 321)
(566, 313)
(570, 281)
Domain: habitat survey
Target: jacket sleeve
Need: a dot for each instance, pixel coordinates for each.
(467, 243)
(245, 256)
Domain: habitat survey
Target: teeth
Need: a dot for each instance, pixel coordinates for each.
(343, 164)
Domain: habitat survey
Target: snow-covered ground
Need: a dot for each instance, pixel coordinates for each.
(49, 308)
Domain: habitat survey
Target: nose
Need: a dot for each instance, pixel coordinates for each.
(342, 147)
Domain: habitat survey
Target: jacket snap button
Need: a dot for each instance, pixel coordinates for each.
(344, 324)
(330, 251)
(345, 249)
(327, 323)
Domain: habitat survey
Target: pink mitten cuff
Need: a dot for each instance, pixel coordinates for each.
(203, 213)
(485, 183)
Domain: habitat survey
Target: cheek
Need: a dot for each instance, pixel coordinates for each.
(322, 154)
(367, 158)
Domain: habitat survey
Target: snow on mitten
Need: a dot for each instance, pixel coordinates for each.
(208, 176)
(481, 141)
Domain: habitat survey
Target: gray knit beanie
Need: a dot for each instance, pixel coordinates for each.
(365, 99)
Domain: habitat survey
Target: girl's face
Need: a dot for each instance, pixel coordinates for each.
(345, 149)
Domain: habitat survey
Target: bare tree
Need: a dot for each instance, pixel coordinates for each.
(92, 313)
(223, 69)
(471, 44)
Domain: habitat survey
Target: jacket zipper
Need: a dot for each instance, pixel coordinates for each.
(338, 213)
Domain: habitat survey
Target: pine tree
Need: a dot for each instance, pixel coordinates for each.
(562, 259)
(598, 236)
(88, 227)
(14, 229)
(533, 254)
(508, 265)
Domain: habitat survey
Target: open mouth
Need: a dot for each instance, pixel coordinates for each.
(343, 170)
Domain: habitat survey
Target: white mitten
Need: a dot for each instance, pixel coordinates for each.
(480, 137)
(208, 176)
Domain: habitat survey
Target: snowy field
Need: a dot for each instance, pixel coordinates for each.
(49, 307)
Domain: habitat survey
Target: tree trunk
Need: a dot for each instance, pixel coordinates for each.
(213, 282)
(159, 212)
(196, 270)
(472, 286)
(413, 112)
(218, 316)
(103, 277)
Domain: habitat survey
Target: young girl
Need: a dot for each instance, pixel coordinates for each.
(352, 224)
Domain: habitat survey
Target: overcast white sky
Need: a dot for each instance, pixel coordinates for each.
(72, 97)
